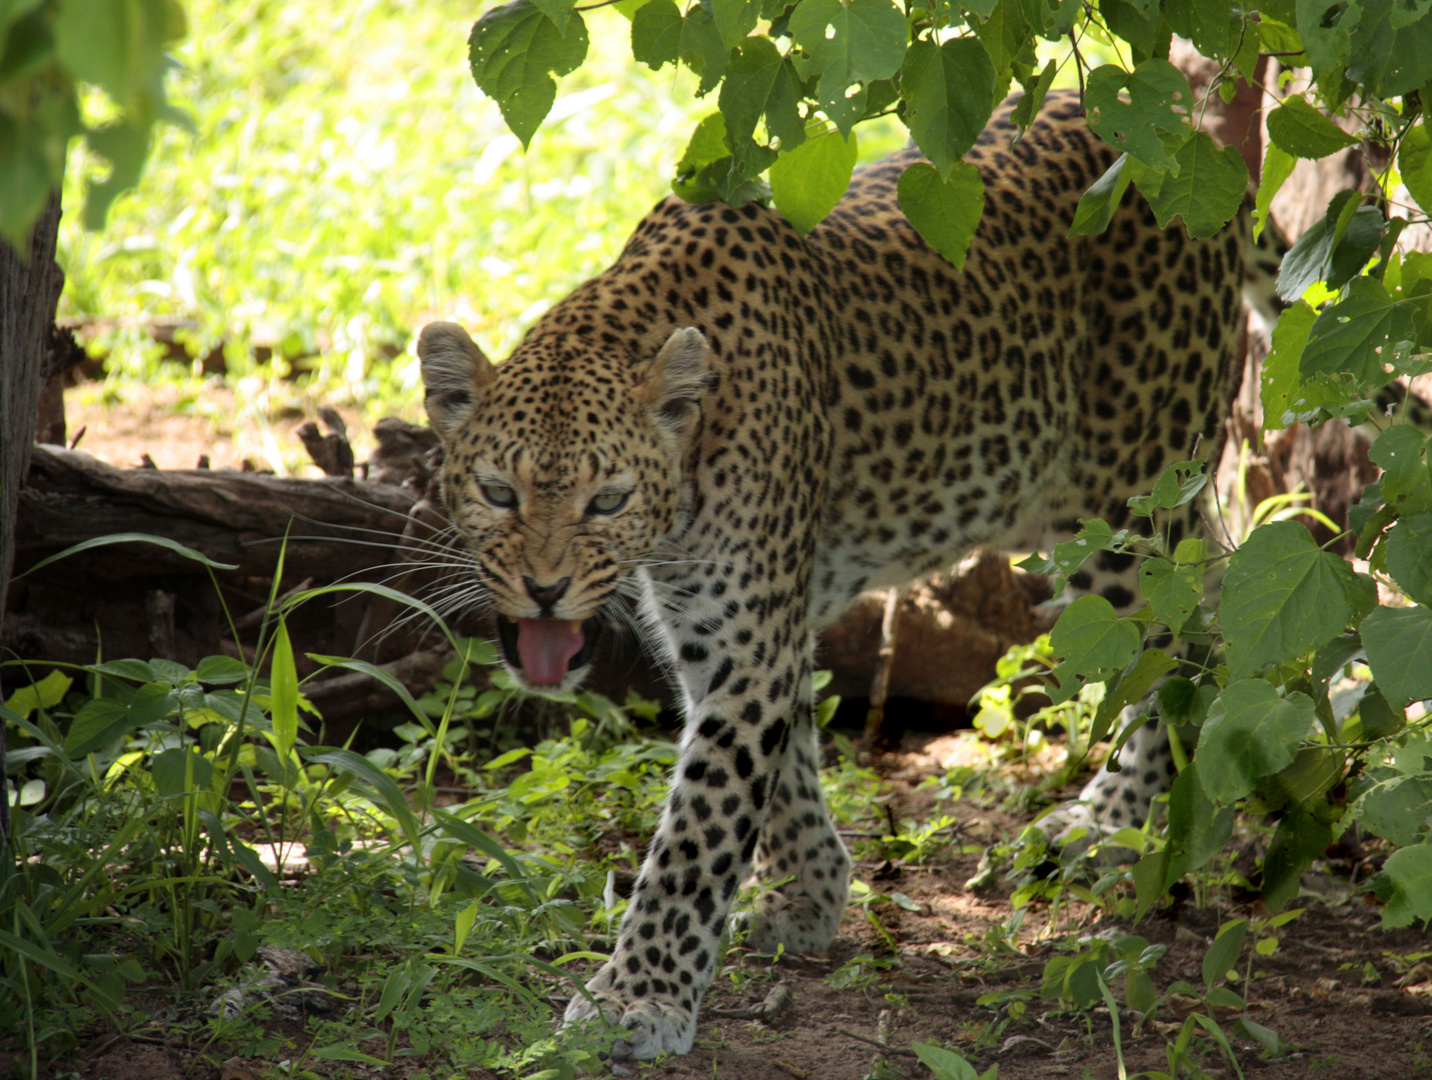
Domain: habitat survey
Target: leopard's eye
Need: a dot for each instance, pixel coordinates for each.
(608, 502)
(499, 495)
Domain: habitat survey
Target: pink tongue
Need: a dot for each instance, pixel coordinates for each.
(545, 646)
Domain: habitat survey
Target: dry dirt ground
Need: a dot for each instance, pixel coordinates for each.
(1347, 998)
(174, 426)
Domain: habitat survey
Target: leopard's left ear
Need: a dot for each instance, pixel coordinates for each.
(674, 382)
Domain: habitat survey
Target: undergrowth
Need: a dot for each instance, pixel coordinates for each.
(171, 824)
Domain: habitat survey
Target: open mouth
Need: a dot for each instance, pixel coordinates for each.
(547, 650)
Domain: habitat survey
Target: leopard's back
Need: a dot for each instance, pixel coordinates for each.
(1049, 379)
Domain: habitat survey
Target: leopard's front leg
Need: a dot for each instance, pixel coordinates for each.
(742, 689)
(800, 859)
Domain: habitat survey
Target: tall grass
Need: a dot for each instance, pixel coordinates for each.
(345, 181)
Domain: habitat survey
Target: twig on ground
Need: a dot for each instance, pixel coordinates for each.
(889, 1050)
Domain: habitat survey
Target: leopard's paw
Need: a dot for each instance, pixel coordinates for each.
(1071, 829)
(653, 1026)
(800, 923)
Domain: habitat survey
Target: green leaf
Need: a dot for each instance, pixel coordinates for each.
(30, 177)
(656, 34)
(1245, 56)
(1402, 451)
(702, 49)
(1358, 335)
(131, 538)
(1391, 46)
(116, 44)
(181, 771)
(1398, 809)
(761, 82)
(1408, 552)
(515, 50)
(125, 146)
(1410, 873)
(1182, 703)
(1068, 555)
(707, 148)
(945, 1064)
(1129, 689)
(377, 674)
(708, 170)
(1414, 161)
(475, 837)
(1356, 239)
(137, 670)
(1304, 783)
(1299, 839)
(1051, 19)
(1284, 403)
(45, 694)
(807, 183)
(559, 11)
(1197, 829)
(946, 212)
(231, 850)
(283, 694)
(385, 793)
(1173, 591)
(1399, 651)
(1206, 190)
(1379, 719)
(1222, 956)
(1323, 27)
(1414, 757)
(1178, 484)
(1093, 641)
(98, 722)
(1150, 876)
(1097, 205)
(1030, 103)
(1005, 33)
(1136, 22)
(1207, 23)
(1334, 249)
(1282, 598)
(1250, 733)
(949, 95)
(735, 19)
(221, 670)
(1277, 167)
(1304, 132)
(845, 44)
(1306, 262)
(1154, 123)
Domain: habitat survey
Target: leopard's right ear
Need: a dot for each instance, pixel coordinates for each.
(454, 372)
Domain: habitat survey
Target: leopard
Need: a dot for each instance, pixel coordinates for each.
(737, 429)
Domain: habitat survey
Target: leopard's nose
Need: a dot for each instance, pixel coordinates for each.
(546, 595)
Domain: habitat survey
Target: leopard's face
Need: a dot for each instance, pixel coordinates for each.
(560, 484)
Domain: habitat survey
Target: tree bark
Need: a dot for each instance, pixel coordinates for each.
(29, 296)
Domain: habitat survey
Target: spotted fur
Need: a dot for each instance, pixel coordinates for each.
(789, 421)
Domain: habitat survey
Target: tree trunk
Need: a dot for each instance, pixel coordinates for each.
(29, 295)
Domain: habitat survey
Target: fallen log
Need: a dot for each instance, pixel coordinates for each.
(142, 600)
(331, 524)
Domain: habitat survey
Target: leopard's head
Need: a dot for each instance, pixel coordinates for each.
(562, 475)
